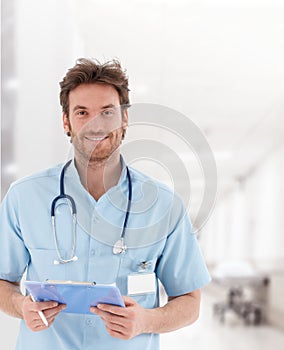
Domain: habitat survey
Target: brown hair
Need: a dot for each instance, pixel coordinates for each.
(88, 71)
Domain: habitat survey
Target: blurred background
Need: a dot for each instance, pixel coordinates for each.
(217, 62)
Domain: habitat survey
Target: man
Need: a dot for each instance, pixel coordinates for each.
(156, 244)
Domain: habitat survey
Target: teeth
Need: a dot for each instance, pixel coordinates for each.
(95, 138)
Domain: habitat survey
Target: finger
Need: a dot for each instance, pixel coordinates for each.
(128, 301)
(43, 305)
(50, 321)
(41, 326)
(49, 313)
(54, 311)
(103, 314)
(115, 334)
(109, 318)
(96, 311)
(37, 325)
(116, 310)
(117, 327)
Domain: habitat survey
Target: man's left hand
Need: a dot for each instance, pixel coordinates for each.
(124, 323)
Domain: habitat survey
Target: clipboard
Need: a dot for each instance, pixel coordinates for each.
(78, 296)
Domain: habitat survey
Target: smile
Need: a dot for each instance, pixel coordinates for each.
(95, 138)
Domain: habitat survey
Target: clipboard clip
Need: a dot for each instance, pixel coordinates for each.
(71, 282)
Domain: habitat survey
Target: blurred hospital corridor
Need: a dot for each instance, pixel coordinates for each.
(208, 333)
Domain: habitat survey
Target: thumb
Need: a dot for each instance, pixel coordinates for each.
(128, 301)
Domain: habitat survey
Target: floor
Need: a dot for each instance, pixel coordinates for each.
(209, 333)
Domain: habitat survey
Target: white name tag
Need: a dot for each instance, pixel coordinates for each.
(141, 283)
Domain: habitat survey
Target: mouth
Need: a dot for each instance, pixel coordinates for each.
(96, 139)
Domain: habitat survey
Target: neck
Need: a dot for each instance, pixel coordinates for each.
(98, 176)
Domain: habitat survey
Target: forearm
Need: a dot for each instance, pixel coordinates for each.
(177, 313)
(11, 299)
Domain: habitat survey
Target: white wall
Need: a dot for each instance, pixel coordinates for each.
(47, 45)
(265, 192)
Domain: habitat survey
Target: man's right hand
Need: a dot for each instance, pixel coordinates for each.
(30, 311)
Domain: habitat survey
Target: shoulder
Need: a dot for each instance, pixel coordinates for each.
(165, 195)
(42, 176)
(142, 178)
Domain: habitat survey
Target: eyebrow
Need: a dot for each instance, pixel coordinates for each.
(110, 105)
(79, 107)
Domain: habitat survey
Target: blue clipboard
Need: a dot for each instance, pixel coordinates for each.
(77, 296)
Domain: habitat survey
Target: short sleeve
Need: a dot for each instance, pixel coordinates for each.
(181, 267)
(14, 256)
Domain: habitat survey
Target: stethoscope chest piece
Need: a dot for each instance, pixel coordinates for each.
(119, 247)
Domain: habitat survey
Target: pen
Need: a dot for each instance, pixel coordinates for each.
(41, 315)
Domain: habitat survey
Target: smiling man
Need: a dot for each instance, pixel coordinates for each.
(96, 123)
(155, 226)
(99, 102)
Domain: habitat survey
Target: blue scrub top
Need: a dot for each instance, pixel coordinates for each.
(158, 232)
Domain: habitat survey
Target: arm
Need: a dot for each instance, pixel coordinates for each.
(15, 304)
(126, 323)
(11, 298)
(179, 312)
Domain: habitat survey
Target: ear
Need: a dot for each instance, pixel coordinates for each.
(125, 119)
(66, 124)
(124, 123)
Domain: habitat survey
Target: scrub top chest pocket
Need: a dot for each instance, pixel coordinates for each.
(141, 283)
(42, 267)
(139, 274)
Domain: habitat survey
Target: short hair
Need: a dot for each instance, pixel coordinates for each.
(90, 71)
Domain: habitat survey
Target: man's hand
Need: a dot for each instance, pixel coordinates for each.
(30, 311)
(124, 323)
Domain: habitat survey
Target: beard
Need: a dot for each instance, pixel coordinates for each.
(96, 147)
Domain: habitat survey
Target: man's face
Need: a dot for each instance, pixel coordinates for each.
(95, 121)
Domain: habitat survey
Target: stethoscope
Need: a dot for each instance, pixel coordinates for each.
(118, 248)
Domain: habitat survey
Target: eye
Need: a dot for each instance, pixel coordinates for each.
(81, 113)
(110, 112)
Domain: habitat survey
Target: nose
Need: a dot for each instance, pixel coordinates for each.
(102, 123)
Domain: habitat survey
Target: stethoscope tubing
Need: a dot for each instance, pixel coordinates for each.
(63, 195)
(128, 204)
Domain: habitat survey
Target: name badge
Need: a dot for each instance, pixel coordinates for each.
(141, 283)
